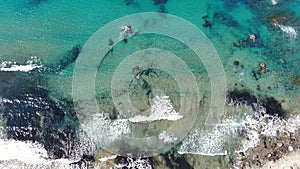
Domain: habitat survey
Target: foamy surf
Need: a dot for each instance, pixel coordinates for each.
(162, 109)
(106, 132)
(290, 31)
(253, 127)
(9, 66)
(211, 143)
(274, 2)
(167, 137)
(138, 163)
(104, 159)
(266, 125)
(29, 155)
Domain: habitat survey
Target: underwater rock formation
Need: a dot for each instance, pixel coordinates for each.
(36, 2)
(176, 161)
(272, 106)
(31, 115)
(158, 2)
(70, 57)
(86, 161)
(225, 19)
(230, 4)
(161, 4)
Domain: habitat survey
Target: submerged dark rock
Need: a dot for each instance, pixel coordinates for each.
(250, 43)
(225, 19)
(36, 2)
(129, 162)
(242, 97)
(207, 24)
(86, 161)
(236, 63)
(176, 161)
(255, 75)
(272, 106)
(231, 3)
(128, 2)
(157, 2)
(32, 116)
(161, 3)
(70, 57)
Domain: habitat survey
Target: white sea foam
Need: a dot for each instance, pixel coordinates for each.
(103, 159)
(253, 127)
(288, 30)
(212, 143)
(27, 155)
(31, 64)
(27, 152)
(161, 109)
(266, 125)
(274, 2)
(167, 137)
(104, 131)
(139, 163)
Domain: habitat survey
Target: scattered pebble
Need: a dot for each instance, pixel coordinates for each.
(290, 148)
(236, 63)
(110, 42)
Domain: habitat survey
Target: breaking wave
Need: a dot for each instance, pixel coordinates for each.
(32, 63)
(162, 109)
(252, 127)
(288, 30)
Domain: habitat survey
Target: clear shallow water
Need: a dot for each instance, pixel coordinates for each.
(51, 30)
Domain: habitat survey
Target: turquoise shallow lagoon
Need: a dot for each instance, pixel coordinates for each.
(40, 43)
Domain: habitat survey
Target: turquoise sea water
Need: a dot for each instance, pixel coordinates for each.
(54, 33)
